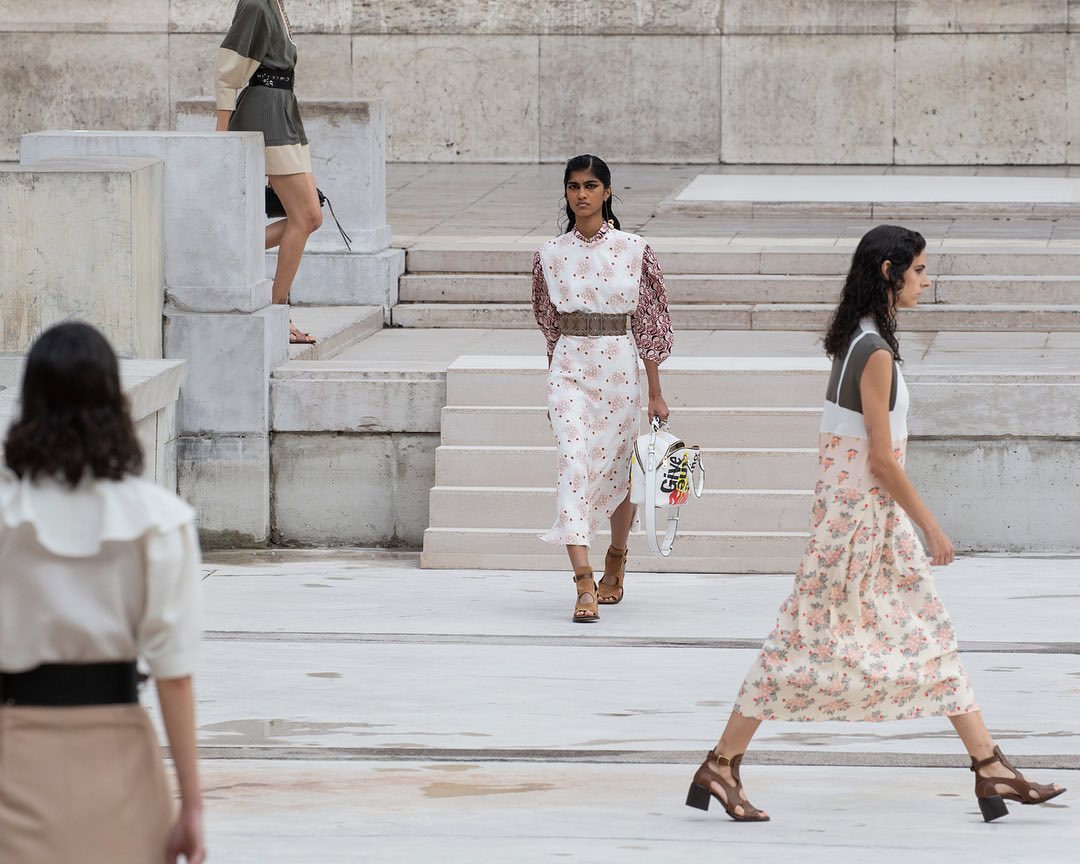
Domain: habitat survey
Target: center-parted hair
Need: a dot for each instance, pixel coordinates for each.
(599, 169)
(74, 419)
(868, 292)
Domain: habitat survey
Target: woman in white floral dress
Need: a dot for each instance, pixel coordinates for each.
(863, 635)
(586, 283)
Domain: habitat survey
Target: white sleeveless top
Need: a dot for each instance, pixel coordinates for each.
(842, 414)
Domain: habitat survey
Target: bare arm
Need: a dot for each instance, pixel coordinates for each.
(875, 388)
(223, 118)
(657, 406)
(177, 701)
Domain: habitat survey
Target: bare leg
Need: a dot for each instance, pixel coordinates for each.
(621, 520)
(579, 560)
(980, 745)
(735, 740)
(304, 216)
(274, 231)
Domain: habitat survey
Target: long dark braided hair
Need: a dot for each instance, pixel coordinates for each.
(599, 169)
(868, 292)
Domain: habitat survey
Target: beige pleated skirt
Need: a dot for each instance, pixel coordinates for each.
(83, 785)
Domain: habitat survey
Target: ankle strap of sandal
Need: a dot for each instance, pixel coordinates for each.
(984, 763)
(586, 574)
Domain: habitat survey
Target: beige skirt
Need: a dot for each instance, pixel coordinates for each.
(82, 785)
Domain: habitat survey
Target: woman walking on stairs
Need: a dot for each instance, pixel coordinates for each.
(863, 635)
(586, 283)
(258, 57)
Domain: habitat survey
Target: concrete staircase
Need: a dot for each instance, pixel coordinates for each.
(757, 287)
(495, 468)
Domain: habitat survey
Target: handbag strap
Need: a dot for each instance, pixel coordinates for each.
(323, 199)
(658, 548)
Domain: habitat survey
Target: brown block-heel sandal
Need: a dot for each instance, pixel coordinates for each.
(991, 799)
(585, 612)
(701, 789)
(609, 593)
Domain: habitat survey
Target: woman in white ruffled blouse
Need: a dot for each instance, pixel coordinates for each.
(98, 569)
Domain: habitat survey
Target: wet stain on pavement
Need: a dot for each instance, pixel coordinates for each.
(323, 674)
(443, 789)
(252, 732)
(316, 585)
(452, 768)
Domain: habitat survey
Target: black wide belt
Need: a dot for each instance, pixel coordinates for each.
(68, 685)
(279, 79)
(591, 324)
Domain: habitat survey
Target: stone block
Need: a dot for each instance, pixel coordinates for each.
(933, 16)
(345, 278)
(230, 358)
(1001, 495)
(1011, 112)
(55, 81)
(510, 17)
(579, 119)
(470, 98)
(809, 17)
(1074, 16)
(81, 238)
(214, 16)
(356, 490)
(341, 396)
(807, 99)
(1073, 94)
(85, 16)
(214, 205)
(226, 478)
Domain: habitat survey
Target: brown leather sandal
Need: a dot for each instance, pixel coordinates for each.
(585, 612)
(701, 789)
(991, 801)
(610, 593)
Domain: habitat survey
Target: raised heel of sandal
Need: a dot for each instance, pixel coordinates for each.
(698, 797)
(993, 808)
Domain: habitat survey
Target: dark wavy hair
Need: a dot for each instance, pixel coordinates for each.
(74, 416)
(867, 292)
(599, 169)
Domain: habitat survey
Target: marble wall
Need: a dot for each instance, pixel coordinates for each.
(758, 81)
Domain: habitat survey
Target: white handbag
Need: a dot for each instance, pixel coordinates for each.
(663, 471)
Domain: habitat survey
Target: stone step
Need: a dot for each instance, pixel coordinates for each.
(730, 467)
(735, 427)
(763, 316)
(742, 510)
(745, 288)
(703, 382)
(694, 552)
(704, 258)
(335, 328)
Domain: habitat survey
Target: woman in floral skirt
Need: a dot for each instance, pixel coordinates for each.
(586, 283)
(863, 635)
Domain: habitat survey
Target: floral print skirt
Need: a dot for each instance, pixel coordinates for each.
(594, 400)
(863, 635)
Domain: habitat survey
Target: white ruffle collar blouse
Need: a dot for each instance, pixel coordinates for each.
(106, 571)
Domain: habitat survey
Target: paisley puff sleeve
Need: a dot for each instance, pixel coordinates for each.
(547, 316)
(651, 321)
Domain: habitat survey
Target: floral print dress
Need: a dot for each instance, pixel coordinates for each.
(863, 635)
(594, 394)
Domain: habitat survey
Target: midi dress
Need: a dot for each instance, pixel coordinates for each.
(260, 35)
(593, 387)
(863, 634)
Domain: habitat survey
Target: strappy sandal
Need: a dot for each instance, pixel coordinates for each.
(610, 593)
(701, 790)
(585, 612)
(299, 337)
(991, 801)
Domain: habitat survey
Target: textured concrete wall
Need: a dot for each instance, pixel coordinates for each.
(844, 81)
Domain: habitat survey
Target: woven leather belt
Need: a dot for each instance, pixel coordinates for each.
(591, 324)
(276, 79)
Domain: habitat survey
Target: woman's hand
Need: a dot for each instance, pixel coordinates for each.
(657, 407)
(187, 838)
(941, 548)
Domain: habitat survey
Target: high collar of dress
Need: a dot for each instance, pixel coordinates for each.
(868, 324)
(597, 237)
